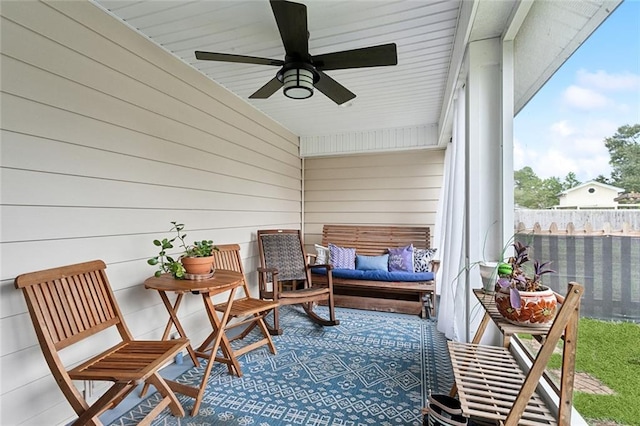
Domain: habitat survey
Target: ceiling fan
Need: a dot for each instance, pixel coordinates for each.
(300, 72)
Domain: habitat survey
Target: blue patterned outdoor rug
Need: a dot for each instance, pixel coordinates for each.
(374, 369)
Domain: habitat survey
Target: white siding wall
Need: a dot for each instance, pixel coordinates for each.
(107, 138)
(378, 189)
(581, 197)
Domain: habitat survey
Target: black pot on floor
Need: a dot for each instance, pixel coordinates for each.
(444, 411)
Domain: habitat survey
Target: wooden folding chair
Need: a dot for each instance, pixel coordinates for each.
(245, 310)
(71, 303)
(285, 276)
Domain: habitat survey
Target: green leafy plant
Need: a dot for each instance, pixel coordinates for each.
(167, 264)
(515, 275)
(202, 248)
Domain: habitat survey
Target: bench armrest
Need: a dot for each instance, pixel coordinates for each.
(435, 265)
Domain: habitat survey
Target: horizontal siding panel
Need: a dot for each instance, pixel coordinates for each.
(391, 182)
(98, 46)
(383, 189)
(403, 159)
(40, 224)
(28, 187)
(375, 218)
(54, 124)
(398, 194)
(413, 170)
(312, 230)
(63, 94)
(122, 248)
(49, 408)
(409, 206)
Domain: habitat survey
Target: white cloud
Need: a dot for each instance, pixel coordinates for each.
(562, 128)
(603, 80)
(583, 98)
(568, 148)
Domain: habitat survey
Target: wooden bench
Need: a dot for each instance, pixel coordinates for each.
(396, 296)
(491, 384)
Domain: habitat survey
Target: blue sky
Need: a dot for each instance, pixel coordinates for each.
(597, 90)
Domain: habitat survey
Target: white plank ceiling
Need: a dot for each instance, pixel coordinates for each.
(409, 95)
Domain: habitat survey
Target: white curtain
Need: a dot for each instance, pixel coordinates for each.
(450, 231)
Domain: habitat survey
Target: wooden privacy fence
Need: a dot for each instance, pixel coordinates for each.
(608, 265)
(571, 229)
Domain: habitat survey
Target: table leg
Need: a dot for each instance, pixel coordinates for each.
(217, 337)
(173, 320)
(225, 344)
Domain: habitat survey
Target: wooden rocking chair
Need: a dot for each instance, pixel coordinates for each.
(285, 277)
(245, 310)
(71, 303)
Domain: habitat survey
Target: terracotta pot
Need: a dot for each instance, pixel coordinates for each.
(197, 265)
(537, 307)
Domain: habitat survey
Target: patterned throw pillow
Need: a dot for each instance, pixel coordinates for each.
(422, 259)
(322, 254)
(342, 257)
(401, 259)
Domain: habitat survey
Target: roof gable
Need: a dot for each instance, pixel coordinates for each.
(592, 183)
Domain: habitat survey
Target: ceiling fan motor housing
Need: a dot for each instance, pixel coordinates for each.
(298, 79)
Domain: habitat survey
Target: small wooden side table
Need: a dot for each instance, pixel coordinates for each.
(221, 282)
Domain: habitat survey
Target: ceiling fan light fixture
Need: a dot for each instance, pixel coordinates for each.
(298, 83)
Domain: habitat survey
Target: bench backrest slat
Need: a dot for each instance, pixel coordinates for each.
(375, 240)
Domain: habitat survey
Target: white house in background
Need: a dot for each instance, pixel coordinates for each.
(590, 195)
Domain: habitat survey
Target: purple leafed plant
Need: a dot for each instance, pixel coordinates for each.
(514, 276)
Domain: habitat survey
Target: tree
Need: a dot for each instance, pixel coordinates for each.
(532, 192)
(527, 185)
(624, 149)
(603, 179)
(570, 181)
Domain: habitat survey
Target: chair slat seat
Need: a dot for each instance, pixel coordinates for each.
(303, 293)
(128, 361)
(247, 306)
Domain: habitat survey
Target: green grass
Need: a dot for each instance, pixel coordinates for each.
(609, 351)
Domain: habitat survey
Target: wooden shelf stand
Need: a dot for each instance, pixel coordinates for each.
(490, 382)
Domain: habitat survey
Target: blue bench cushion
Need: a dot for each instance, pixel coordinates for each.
(376, 275)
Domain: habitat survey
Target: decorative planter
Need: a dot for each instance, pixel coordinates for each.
(197, 265)
(489, 275)
(537, 307)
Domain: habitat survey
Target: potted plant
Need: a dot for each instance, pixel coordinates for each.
(197, 258)
(520, 296)
(489, 275)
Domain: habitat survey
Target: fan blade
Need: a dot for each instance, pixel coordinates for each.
(374, 56)
(225, 57)
(333, 90)
(268, 89)
(292, 23)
